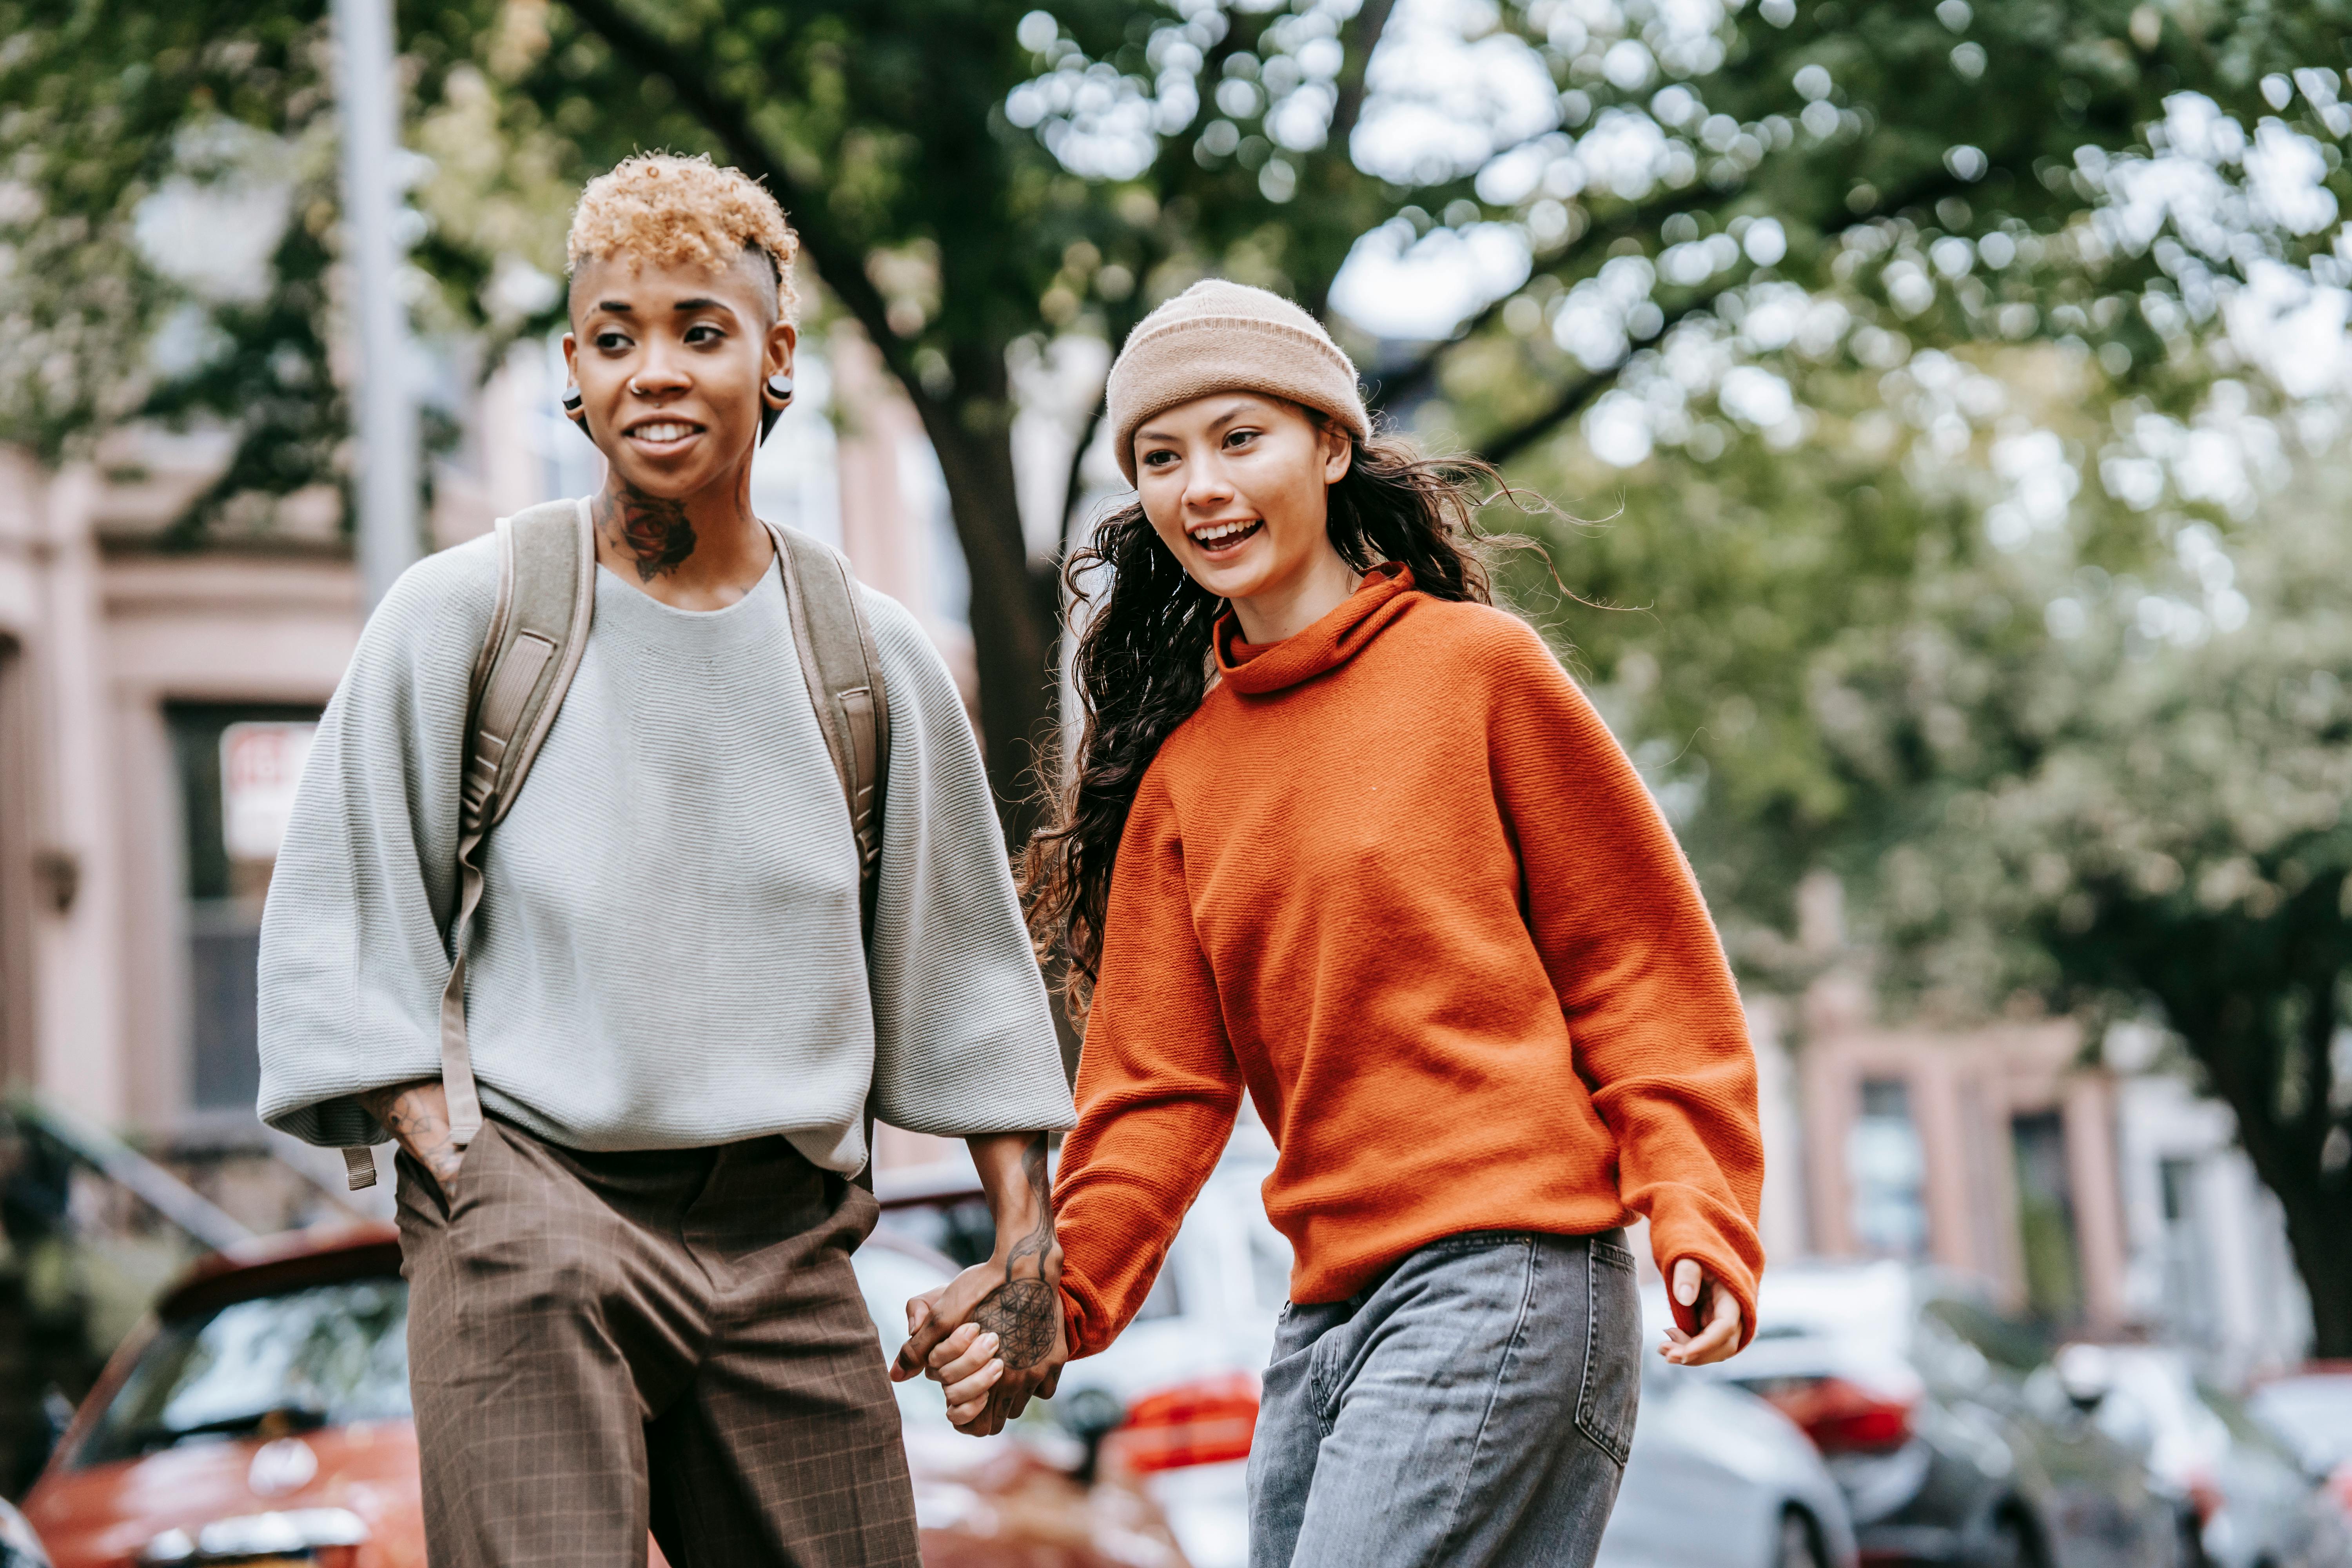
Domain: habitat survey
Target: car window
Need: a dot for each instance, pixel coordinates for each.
(323, 1356)
(2002, 1339)
(2314, 1415)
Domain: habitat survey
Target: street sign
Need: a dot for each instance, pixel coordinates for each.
(261, 766)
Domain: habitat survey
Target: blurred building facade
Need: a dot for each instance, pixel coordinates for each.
(2103, 1198)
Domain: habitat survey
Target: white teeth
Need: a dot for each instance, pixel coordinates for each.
(662, 432)
(1223, 530)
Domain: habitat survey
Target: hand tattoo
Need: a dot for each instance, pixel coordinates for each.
(652, 531)
(1022, 1313)
(420, 1127)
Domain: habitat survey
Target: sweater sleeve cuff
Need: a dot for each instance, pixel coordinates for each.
(1074, 1319)
(1733, 1258)
(1727, 1276)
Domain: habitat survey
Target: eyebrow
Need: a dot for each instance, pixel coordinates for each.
(622, 308)
(1219, 423)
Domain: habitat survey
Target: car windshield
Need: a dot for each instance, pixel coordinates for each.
(2314, 1415)
(322, 1356)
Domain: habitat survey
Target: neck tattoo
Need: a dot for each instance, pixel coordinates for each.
(654, 531)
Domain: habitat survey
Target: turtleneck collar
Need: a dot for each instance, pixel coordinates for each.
(1259, 667)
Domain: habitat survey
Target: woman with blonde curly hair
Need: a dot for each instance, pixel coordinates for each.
(689, 984)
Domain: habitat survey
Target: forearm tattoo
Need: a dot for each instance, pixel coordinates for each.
(652, 531)
(1022, 1312)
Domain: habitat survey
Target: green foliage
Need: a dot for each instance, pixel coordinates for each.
(103, 107)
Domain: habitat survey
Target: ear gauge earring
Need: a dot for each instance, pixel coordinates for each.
(774, 393)
(571, 409)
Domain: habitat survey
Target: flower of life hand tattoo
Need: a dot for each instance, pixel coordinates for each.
(1022, 1313)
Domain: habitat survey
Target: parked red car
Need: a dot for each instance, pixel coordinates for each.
(261, 1416)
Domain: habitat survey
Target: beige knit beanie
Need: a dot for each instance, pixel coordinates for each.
(1228, 337)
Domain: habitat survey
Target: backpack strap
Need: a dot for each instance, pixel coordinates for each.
(844, 671)
(547, 592)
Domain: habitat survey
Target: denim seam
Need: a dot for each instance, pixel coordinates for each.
(1592, 1353)
(1510, 1355)
(1477, 1240)
(1320, 1392)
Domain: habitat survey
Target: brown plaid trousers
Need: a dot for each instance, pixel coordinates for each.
(673, 1340)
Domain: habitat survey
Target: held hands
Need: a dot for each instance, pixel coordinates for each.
(993, 1335)
(993, 1338)
(1718, 1318)
(418, 1115)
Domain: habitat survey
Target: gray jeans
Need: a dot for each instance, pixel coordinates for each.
(1472, 1408)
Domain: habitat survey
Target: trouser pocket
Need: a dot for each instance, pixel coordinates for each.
(1609, 1394)
(415, 1193)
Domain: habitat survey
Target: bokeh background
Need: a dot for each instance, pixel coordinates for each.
(1935, 418)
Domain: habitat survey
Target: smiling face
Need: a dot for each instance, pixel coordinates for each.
(670, 363)
(1235, 486)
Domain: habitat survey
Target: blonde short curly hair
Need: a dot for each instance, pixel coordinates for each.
(674, 211)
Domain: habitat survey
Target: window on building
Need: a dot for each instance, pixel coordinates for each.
(2179, 1182)
(1888, 1170)
(237, 765)
(2188, 1307)
(2045, 1218)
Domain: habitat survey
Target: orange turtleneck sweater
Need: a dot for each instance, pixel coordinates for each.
(1396, 879)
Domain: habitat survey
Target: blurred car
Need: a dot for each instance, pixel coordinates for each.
(2311, 1413)
(1946, 1427)
(261, 1415)
(20, 1547)
(1716, 1478)
(2243, 1500)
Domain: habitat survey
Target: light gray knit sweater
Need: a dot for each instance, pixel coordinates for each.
(666, 954)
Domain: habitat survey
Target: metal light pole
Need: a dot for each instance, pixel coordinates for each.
(385, 400)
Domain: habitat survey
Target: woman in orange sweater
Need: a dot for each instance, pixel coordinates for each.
(1345, 836)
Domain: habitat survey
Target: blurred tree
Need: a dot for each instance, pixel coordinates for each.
(2052, 678)
(1839, 151)
(114, 116)
(2171, 839)
(168, 211)
(972, 177)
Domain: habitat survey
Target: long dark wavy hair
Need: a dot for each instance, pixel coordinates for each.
(1144, 659)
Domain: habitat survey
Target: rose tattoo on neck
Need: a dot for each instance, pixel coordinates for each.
(652, 531)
